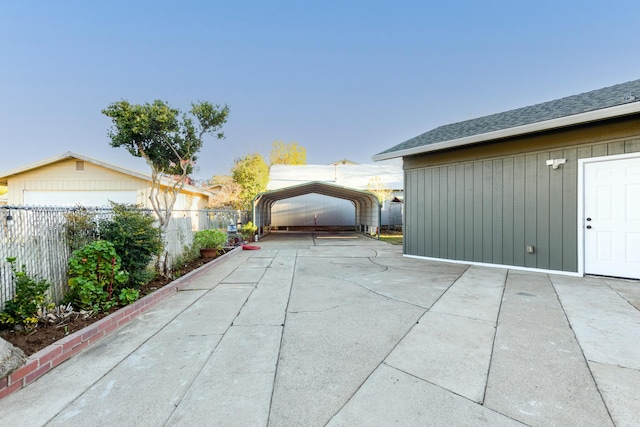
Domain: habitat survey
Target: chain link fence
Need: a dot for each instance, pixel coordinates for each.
(35, 236)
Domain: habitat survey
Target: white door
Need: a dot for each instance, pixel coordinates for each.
(612, 218)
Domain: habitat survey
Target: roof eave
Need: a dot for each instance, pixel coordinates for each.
(4, 176)
(71, 155)
(590, 116)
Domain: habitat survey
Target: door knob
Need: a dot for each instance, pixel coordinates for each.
(589, 227)
(588, 219)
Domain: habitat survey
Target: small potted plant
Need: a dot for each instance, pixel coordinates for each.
(248, 231)
(209, 242)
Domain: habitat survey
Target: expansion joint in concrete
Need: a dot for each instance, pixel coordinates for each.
(584, 356)
(282, 326)
(495, 333)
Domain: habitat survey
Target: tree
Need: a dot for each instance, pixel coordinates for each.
(252, 174)
(287, 154)
(379, 189)
(228, 196)
(167, 140)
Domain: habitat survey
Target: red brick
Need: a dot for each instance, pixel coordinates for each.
(89, 332)
(44, 357)
(77, 349)
(96, 337)
(58, 360)
(37, 374)
(110, 328)
(124, 321)
(127, 311)
(116, 316)
(10, 389)
(18, 375)
(55, 348)
(103, 323)
(69, 352)
(72, 341)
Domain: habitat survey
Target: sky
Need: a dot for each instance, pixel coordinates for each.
(344, 79)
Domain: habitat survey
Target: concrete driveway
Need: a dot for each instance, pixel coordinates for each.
(341, 330)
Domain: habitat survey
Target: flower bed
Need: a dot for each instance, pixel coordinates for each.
(54, 354)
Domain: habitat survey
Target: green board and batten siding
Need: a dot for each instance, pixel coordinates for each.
(489, 210)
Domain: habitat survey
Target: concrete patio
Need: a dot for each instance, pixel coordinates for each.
(341, 330)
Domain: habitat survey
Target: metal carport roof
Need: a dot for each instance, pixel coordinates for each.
(366, 204)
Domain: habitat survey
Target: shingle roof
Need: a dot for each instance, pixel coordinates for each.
(599, 99)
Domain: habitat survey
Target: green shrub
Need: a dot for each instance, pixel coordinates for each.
(80, 228)
(209, 239)
(136, 240)
(29, 297)
(128, 296)
(94, 276)
(248, 230)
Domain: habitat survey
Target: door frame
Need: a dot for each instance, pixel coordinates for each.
(581, 197)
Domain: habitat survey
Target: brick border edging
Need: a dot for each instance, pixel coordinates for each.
(51, 356)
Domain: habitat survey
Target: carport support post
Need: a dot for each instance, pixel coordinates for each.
(379, 218)
(254, 216)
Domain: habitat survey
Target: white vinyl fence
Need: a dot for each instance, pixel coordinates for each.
(35, 237)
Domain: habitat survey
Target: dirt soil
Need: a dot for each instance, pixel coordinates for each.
(44, 335)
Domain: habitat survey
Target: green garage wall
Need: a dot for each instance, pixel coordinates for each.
(488, 210)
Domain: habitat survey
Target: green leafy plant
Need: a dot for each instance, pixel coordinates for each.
(94, 275)
(188, 254)
(80, 227)
(209, 239)
(30, 295)
(136, 240)
(248, 230)
(128, 296)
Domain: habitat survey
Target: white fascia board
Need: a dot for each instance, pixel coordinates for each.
(590, 116)
(72, 155)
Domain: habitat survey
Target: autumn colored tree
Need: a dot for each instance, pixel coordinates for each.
(228, 194)
(250, 176)
(251, 173)
(379, 189)
(287, 154)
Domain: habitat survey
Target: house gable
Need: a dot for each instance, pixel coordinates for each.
(71, 172)
(69, 175)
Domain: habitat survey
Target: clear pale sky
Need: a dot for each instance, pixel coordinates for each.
(345, 79)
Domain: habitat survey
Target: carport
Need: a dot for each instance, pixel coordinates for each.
(367, 206)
